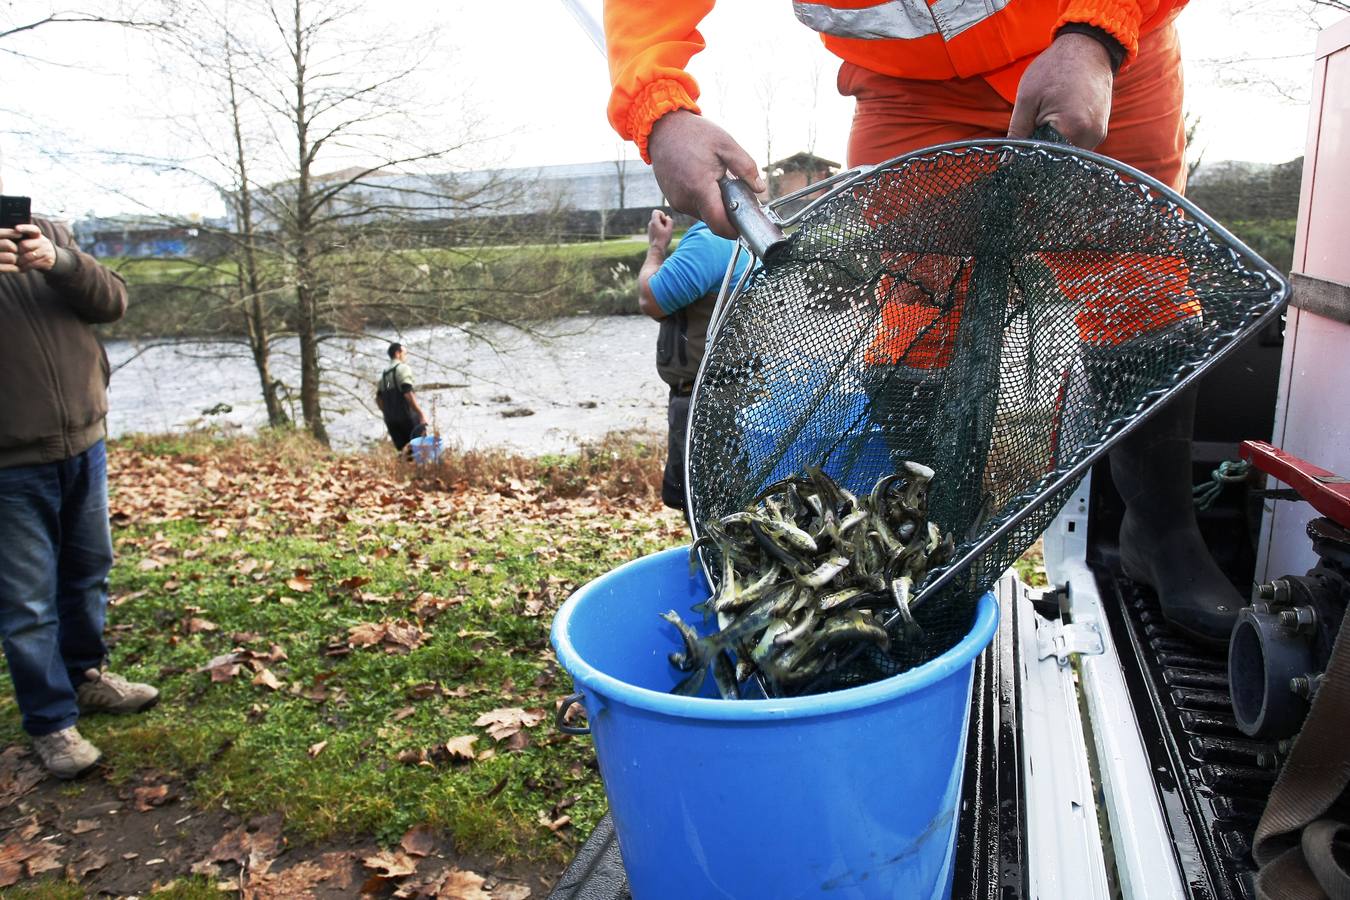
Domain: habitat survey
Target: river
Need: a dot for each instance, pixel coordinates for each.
(579, 378)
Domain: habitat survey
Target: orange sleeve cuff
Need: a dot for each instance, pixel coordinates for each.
(1119, 18)
(651, 103)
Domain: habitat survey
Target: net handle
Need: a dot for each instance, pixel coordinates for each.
(761, 233)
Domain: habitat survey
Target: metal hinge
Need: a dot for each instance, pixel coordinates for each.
(1055, 638)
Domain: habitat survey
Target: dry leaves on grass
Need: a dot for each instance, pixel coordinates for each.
(395, 636)
(266, 679)
(22, 855)
(420, 840)
(452, 884)
(225, 667)
(507, 721)
(88, 862)
(455, 750)
(332, 870)
(253, 850)
(148, 797)
(386, 867)
(19, 774)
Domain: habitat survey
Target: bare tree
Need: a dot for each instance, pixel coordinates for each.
(347, 219)
(248, 278)
(766, 90)
(333, 94)
(1195, 154)
(15, 22)
(621, 173)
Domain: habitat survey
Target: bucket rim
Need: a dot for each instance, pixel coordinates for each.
(591, 680)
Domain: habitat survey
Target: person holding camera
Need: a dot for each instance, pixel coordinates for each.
(55, 543)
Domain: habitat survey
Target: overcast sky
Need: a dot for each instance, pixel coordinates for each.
(539, 87)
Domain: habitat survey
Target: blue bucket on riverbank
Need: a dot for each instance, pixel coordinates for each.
(851, 794)
(425, 449)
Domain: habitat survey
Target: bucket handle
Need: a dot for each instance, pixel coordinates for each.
(560, 718)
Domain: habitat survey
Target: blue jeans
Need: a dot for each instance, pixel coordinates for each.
(55, 553)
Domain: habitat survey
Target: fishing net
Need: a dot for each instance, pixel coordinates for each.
(998, 311)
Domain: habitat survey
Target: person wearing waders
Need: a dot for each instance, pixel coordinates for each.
(396, 400)
(55, 544)
(679, 290)
(1106, 74)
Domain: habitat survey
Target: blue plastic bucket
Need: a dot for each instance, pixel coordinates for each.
(426, 449)
(851, 794)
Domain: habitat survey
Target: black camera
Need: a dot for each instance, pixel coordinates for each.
(15, 211)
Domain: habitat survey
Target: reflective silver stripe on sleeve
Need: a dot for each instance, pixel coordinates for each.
(892, 19)
(897, 19)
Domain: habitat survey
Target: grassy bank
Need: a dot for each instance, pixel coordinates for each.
(361, 651)
(184, 298)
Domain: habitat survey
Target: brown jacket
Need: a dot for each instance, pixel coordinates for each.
(53, 372)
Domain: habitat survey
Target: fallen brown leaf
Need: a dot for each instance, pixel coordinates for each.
(502, 723)
(461, 748)
(267, 680)
(44, 859)
(300, 879)
(459, 884)
(390, 864)
(85, 825)
(511, 891)
(316, 749)
(223, 668)
(91, 861)
(365, 634)
(300, 584)
(411, 757)
(19, 774)
(420, 840)
(147, 798)
(197, 626)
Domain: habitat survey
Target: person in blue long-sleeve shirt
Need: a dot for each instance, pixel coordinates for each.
(679, 290)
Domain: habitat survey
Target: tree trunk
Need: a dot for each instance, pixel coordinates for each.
(309, 354)
(250, 286)
(303, 222)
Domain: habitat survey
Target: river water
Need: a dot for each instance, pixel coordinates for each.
(580, 378)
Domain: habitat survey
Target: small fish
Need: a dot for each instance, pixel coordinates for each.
(825, 572)
(806, 575)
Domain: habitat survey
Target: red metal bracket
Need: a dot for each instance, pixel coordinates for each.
(1328, 492)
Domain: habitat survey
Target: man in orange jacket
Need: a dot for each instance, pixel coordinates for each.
(1105, 73)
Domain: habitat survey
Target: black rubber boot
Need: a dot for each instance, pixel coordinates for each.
(1160, 542)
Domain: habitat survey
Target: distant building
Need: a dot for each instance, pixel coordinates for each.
(579, 201)
(795, 172)
(588, 199)
(143, 236)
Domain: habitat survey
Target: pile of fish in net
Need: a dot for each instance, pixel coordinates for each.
(809, 574)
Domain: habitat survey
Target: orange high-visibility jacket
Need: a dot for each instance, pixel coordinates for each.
(650, 43)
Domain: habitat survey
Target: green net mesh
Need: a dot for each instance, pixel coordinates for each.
(998, 311)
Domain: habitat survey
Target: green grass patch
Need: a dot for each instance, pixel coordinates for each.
(234, 546)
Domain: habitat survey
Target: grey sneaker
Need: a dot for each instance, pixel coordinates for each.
(65, 753)
(106, 692)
